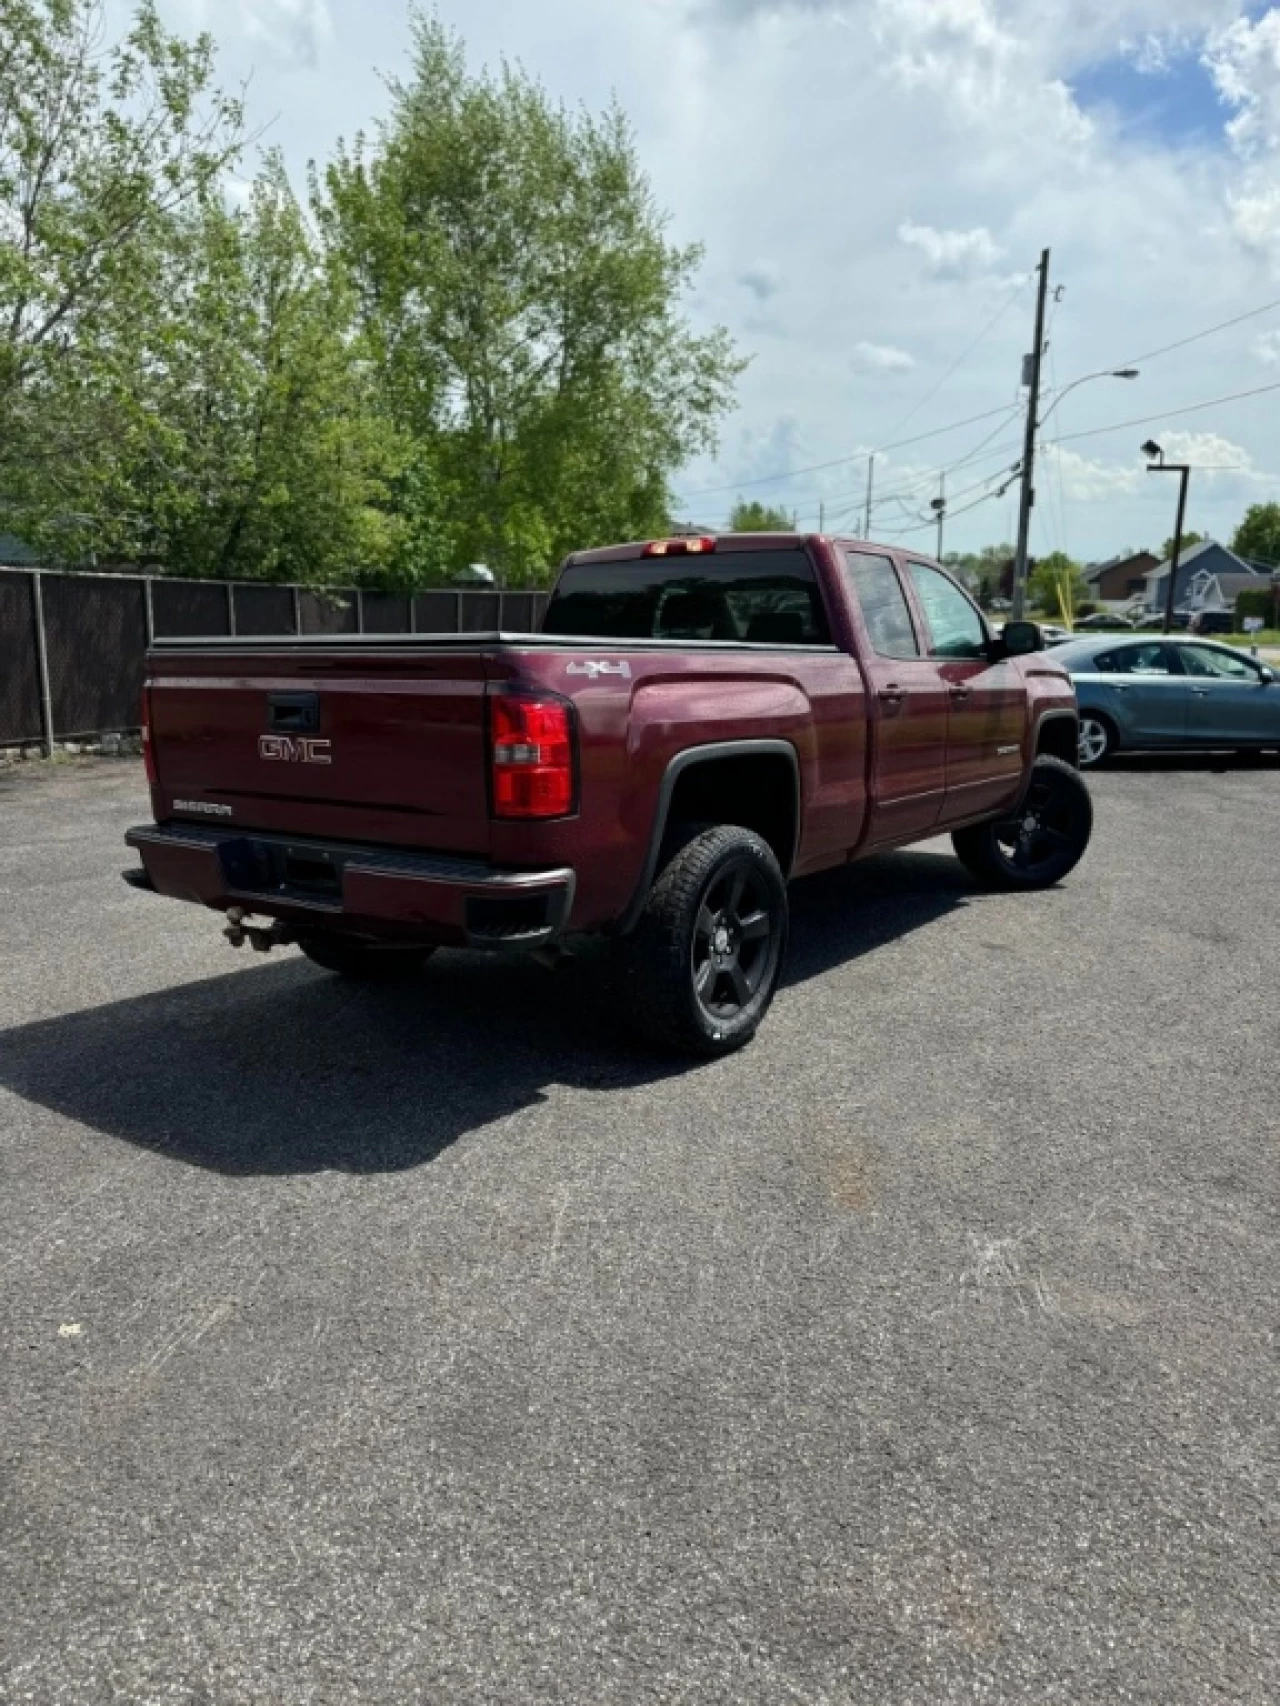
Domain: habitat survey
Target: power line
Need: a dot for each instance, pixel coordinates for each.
(1195, 337)
(962, 357)
(843, 461)
(1168, 414)
(990, 414)
(928, 476)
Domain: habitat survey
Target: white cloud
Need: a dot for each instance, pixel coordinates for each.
(1085, 480)
(881, 358)
(1245, 62)
(1267, 349)
(1213, 457)
(951, 254)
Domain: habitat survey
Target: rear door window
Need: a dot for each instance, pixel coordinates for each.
(750, 597)
(884, 606)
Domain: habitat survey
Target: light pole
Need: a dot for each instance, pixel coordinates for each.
(1034, 427)
(1156, 464)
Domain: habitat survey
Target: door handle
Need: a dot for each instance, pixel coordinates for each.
(1199, 692)
(892, 694)
(959, 692)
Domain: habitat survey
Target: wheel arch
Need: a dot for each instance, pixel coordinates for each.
(698, 783)
(1058, 736)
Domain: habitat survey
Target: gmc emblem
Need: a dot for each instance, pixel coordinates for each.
(290, 749)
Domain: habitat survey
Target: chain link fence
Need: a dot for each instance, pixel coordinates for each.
(73, 646)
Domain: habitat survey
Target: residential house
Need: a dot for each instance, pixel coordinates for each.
(1121, 578)
(1209, 577)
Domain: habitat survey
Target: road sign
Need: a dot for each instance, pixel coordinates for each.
(1253, 624)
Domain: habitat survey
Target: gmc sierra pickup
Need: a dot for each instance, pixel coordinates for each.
(700, 721)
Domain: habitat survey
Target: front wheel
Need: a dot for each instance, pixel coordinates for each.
(1097, 740)
(1042, 842)
(371, 962)
(702, 966)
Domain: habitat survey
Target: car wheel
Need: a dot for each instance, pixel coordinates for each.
(701, 968)
(1044, 840)
(1097, 740)
(371, 962)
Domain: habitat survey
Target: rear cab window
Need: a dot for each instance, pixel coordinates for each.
(768, 598)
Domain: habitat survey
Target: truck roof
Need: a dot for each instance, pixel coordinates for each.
(637, 548)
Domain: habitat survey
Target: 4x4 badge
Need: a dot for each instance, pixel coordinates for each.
(595, 669)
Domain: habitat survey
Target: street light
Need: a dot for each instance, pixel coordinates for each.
(1034, 427)
(1106, 373)
(1156, 464)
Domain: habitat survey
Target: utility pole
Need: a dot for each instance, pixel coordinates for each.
(1029, 448)
(822, 517)
(871, 474)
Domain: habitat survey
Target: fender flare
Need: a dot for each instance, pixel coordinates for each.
(687, 760)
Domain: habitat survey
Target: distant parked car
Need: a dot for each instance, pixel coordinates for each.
(1104, 621)
(1148, 693)
(1212, 622)
(1053, 635)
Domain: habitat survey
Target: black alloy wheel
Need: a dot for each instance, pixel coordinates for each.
(734, 944)
(1042, 842)
(702, 965)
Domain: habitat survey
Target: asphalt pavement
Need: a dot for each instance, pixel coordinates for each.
(435, 1344)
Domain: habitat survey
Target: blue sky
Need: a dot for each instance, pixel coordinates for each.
(873, 181)
(1176, 104)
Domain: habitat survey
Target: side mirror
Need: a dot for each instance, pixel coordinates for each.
(1268, 675)
(1020, 639)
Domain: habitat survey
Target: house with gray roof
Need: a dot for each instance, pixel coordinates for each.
(1209, 578)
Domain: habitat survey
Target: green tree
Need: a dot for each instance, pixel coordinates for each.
(522, 308)
(1258, 535)
(1188, 540)
(749, 516)
(1050, 574)
(99, 151)
(258, 449)
(985, 572)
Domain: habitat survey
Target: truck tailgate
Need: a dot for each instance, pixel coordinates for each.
(359, 744)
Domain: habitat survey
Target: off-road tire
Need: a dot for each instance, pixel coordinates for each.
(1042, 842)
(696, 974)
(363, 961)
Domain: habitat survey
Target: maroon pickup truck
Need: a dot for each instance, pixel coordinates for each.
(700, 721)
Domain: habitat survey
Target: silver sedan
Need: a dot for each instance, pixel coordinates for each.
(1147, 693)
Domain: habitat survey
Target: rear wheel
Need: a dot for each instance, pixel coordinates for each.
(370, 961)
(702, 966)
(1097, 740)
(1044, 840)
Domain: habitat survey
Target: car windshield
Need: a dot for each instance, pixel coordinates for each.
(756, 597)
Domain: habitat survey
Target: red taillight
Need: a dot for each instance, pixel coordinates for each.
(532, 744)
(679, 547)
(148, 757)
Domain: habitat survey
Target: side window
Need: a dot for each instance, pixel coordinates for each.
(884, 604)
(1221, 666)
(1151, 659)
(958, 630)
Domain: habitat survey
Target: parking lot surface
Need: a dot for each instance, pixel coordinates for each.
(435, 1344)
